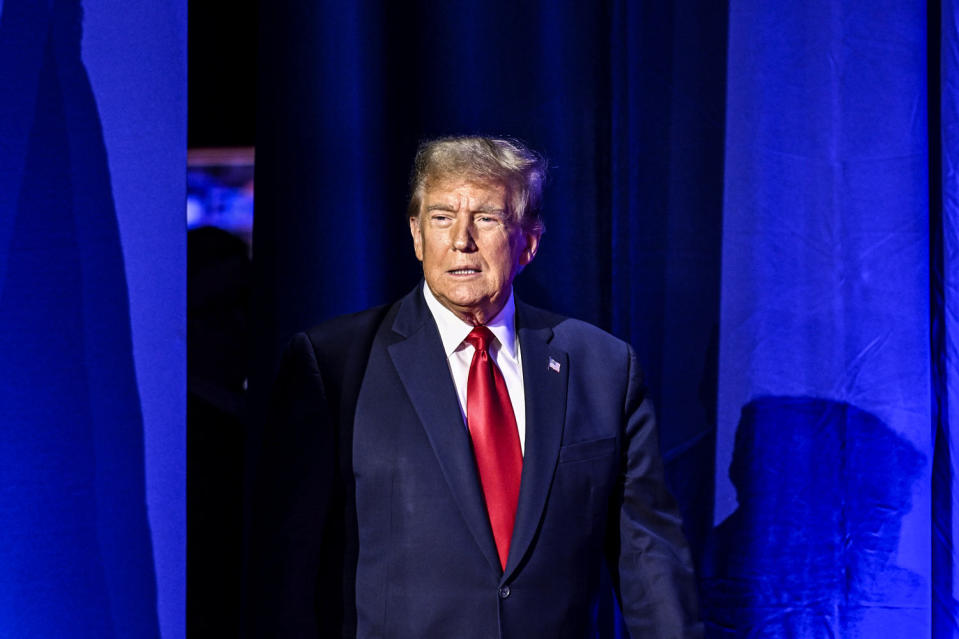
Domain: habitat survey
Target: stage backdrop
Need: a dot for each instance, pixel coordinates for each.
(793, 160)
(92, 371)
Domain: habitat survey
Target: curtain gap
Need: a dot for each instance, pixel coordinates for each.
(941, 529)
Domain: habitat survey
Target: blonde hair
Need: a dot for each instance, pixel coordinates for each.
(503, 161)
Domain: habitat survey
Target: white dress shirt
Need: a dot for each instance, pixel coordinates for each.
(504, 351)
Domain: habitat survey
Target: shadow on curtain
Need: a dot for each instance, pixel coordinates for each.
(810, 548)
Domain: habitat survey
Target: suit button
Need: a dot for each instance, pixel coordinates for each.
(504, 592)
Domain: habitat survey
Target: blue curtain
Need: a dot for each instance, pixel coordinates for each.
(81, 554)
(833, 490)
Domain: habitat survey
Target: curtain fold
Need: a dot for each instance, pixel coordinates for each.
(944, 252)
(91, 545)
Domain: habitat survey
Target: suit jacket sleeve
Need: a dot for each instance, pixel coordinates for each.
(650, 560)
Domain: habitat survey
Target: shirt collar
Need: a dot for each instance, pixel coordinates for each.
(453, 330)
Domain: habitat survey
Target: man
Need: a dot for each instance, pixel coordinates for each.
(460, 464)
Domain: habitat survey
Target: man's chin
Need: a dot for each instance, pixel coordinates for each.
(473, 309)
(464, 297)
(467, 306)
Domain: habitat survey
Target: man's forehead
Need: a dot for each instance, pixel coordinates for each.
(460, 191)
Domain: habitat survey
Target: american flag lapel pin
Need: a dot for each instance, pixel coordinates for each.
(553, 365)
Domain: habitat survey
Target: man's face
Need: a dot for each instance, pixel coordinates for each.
(470, 250)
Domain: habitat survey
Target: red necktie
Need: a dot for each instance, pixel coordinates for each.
(492, 425)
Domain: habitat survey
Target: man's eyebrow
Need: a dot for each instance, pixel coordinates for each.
(483, 208)
(488, 208)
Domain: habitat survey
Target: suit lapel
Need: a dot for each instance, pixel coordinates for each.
(423, 370)
(545, 391)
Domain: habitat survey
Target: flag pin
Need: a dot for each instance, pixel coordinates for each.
(553, 365)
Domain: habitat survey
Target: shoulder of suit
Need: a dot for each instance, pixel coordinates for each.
(339, 333)
(337, 347)
(567, 328)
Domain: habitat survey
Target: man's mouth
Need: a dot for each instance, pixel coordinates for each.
(464, 271)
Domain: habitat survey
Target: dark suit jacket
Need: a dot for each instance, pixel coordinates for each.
(372, 521)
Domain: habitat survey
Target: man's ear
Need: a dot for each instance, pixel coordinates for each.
(532, 245)
(417, 237)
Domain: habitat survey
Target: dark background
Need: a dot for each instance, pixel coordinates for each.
(222, 74)
(222, 113)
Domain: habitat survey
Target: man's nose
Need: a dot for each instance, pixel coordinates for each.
(463, 234)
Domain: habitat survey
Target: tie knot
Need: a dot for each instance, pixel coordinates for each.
(480, 338)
